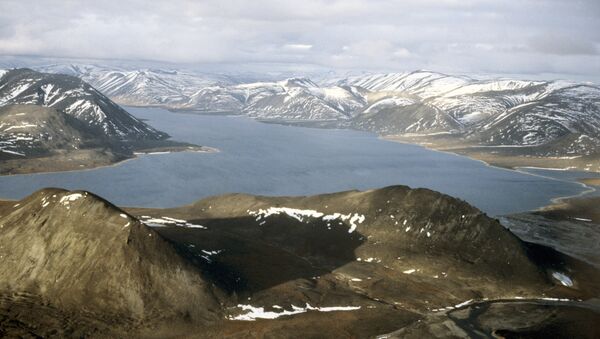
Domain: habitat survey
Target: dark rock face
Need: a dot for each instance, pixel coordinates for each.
(284, 252)
(353, 264)
(403, 230)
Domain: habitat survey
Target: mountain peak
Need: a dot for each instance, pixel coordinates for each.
(298, 82)
(81, 247)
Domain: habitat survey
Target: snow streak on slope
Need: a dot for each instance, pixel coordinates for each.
(76, 98)
(300, 99)
(498, 112)
(148, 87)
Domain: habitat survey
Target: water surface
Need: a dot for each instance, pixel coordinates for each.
(270, 159)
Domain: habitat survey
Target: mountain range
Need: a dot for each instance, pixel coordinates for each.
(557, 120)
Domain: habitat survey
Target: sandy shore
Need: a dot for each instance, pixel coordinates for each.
(504, 157)
(591, 181)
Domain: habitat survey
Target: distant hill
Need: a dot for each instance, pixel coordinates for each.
(76, 98)
(142, 87)
(484, 112)
(56, 122)
(299, 99)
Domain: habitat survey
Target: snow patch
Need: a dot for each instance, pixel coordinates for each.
(167, 221)
(563, 278)
(12, 152)
(371, 260)
(556, 299)
(353, 218)
(70, 198)
(253, 313)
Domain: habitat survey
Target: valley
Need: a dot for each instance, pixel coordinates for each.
(282, 259)
(393, 262)
(274, 159)
(508, 122)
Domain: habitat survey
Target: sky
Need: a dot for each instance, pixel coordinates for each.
(552, 38)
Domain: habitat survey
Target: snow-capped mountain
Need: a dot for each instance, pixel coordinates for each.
(422, 83)
(565, 120)
(291, 99)
(42, 114)
(300, 99)
(497, 112)
(76, 98)
(143, 87)
(217, 99)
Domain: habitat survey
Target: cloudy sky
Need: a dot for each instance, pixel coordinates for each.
(530, 37)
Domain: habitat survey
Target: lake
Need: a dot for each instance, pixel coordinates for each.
(269, 159)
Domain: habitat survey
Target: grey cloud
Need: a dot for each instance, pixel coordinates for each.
(562, 45)
(385, 35)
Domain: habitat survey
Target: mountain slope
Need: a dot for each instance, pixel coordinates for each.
(547, 119)
(143, 87)
(300, 99)
(51, 122)
(344, 264)
(379, 260)
(290, 99)
(424, 84)
(82, 255)
(76, 98)
(485, 112)
(216, 99)
(29, 130)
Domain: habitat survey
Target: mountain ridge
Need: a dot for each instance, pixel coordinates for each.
(362, 263)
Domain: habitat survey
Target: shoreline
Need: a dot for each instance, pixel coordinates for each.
(588, 189)
(496, 163)
(499, 161)
(203, 149)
